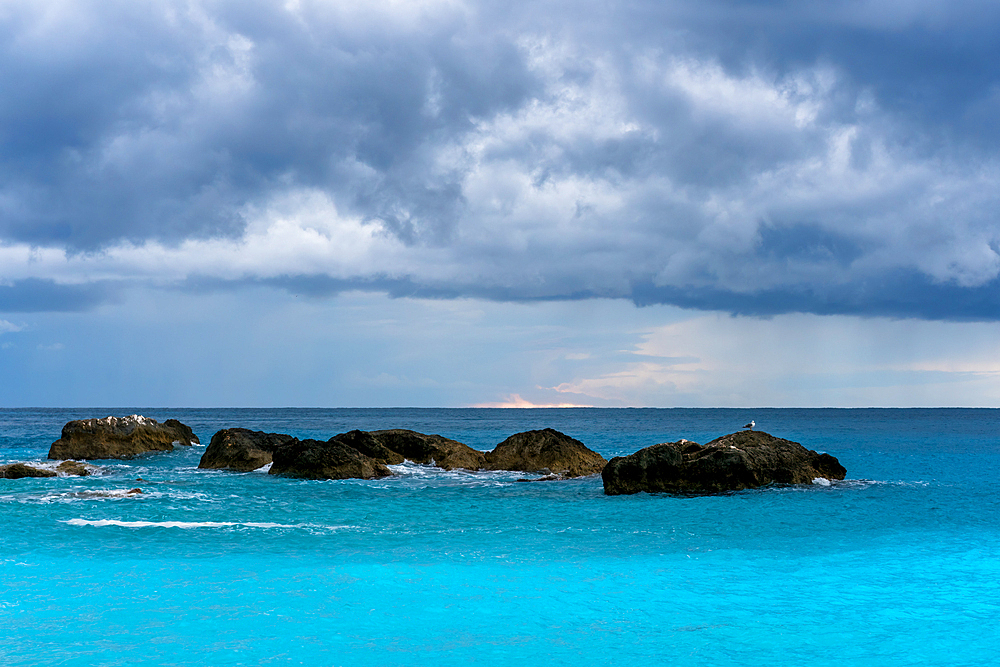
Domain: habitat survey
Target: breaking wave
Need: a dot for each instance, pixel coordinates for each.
(102, 523)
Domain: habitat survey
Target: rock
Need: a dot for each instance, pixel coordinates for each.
(241, 449)
(742, 460)
(118, 438)
(314, 459)
(21, 470)
(370, 446)
(75, 469)
(188, 435)
(547, 450)
(436, 449)
(132, 492)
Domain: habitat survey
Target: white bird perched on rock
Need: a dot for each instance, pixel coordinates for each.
(750, 425)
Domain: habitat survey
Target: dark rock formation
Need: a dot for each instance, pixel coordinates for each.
(435, 449)
(21, 470)
(361, 454)
(241, 449)
(547, 451)
(118, 438)
(742, 460)
(313, 459)
(370, 446)
(76, 469)
(187, 435)
(69, 468)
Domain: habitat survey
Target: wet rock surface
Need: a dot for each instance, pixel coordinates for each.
(742, 460)
(76, 469)
(22, 470)
(365, 454)
(546, 451)
(431, 449)
(241, 450)
(333, 459)
(371, 446)
(119, 438)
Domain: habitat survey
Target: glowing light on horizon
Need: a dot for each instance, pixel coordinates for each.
(515, 401)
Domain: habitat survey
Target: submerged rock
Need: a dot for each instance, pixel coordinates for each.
(438, 450)
(69, 468)
(119, 438)
(547, 451)
(333, 459)
(76, 469)
(241, 449)
(21, 470)
(742, 460)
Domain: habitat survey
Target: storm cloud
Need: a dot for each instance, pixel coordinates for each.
(752, 157)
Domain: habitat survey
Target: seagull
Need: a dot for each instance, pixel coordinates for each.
(750, 425)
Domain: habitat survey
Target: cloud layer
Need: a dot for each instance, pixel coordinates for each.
(757, 158)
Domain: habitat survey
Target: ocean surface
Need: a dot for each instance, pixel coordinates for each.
(897, 565)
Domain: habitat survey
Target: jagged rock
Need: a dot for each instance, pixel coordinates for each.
(314, 459)
(436, 449)
(547, 451)
(20, 470)
(118, 438)
(75, 469)
(188, 436)
(370, 446)
(241, 449)
(742, 460)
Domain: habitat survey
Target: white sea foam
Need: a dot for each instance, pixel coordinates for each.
(103, 523)
(842, 484)
(410, 469)
(93, 494)
(425, 474)
(41, 464)
(90, 495)
(100, 523)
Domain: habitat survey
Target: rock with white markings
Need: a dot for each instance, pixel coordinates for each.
(119, 438)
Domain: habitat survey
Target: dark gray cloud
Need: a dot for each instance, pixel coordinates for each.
(757, 157)
(33, 295)
(128, 124)
(900, 295)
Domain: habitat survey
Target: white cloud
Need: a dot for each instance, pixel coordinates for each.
(472, 149)
(9, 327)
(544, 213)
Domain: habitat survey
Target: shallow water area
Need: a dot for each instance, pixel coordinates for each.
(897, 564)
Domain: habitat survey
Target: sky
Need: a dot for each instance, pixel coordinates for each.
(468, 203)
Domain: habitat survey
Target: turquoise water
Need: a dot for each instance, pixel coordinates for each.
(899, 564)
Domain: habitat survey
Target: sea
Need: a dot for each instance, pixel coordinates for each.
(899, 564)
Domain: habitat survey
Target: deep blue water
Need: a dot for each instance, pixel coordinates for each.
(899, 565)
